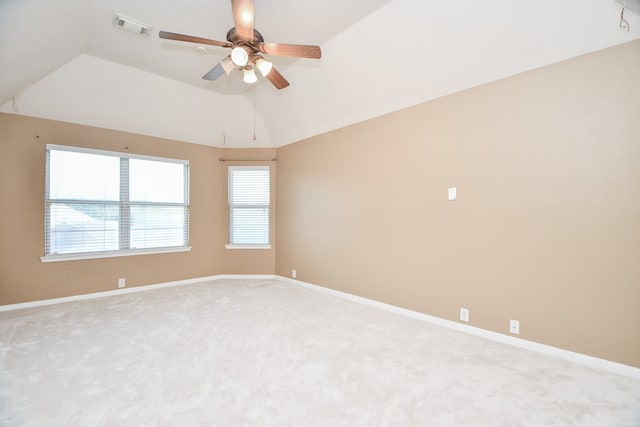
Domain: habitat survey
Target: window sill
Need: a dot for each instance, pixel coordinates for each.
(94, 255)
(232, 246)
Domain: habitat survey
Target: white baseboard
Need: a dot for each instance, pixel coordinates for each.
(583, 359)
(247, 276)
(121, 291)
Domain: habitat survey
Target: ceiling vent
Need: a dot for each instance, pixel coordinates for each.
(131, 24)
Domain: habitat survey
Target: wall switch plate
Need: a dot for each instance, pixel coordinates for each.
(464, 314)
(121, 283)
(452, 193)
(514, 327)
(293, 273)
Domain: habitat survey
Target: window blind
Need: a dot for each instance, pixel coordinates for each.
(103, 202)
(249, 199)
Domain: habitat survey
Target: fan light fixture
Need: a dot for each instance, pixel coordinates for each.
(247, 47)
(239, 56)
(249, 75)
(264, 66)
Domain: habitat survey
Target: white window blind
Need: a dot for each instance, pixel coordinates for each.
(249, 195)
(99, 202)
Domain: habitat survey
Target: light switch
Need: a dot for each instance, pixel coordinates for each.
(453, 193)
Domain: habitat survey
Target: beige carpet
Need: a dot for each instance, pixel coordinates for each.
(269, 353)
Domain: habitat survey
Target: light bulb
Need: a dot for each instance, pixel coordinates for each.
(239, 56)
(249, 75)
(264, 66)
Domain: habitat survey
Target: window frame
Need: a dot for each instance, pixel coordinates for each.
(124, 204)
(230, 244)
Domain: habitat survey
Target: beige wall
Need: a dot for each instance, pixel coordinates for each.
(23, 277)
(546, 229)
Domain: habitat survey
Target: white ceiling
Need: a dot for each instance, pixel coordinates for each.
(64, 60)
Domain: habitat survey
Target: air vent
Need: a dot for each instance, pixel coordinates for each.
(131, 25)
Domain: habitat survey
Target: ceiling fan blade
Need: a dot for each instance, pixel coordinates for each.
(214, 73)
(292, 50)
(243, 17)
(223, 67)
(191, 39)
(277, 79)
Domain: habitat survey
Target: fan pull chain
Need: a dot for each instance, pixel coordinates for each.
(623, 22)
(254, 113)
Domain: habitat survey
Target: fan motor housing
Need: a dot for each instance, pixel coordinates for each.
(234, 38)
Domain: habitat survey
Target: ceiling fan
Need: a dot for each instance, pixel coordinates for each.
(247, 46)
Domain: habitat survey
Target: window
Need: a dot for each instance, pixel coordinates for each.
(100, 203)
(248, 207)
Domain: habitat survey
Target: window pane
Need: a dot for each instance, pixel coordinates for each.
(250, 187)
(158, 226)
(153, 181)
(83, 176)
(83, 228)
(250, 225)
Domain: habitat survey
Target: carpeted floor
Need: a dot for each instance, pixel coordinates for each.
(269, 353)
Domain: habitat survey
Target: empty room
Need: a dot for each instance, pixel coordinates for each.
(286, 213)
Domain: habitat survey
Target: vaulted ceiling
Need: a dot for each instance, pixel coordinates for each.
(65, 60)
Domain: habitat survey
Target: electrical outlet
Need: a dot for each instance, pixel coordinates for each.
(293, 273)
(514, 327)
(464, 314)
(121, 283)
